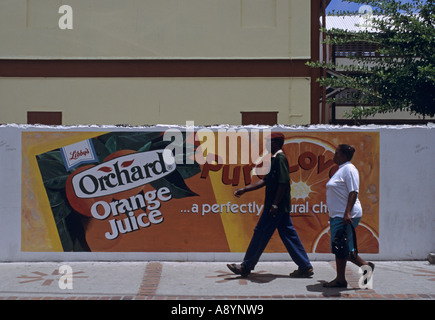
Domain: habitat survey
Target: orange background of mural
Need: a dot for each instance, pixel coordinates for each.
(185, 230)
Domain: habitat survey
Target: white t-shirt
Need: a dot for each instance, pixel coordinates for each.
(344, 181)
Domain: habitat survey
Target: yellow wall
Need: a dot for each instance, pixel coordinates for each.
(140, 101)
(156, 29)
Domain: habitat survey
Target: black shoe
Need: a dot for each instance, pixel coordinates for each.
(238, 269)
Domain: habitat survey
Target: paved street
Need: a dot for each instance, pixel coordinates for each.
(207, 281)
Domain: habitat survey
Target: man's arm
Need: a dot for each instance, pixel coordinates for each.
(350, 203)
(279, 194)
(259, 184)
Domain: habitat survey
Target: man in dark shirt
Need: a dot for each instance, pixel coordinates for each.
(276, 215)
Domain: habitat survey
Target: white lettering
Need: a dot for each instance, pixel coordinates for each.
(366, 279)
(94, 210)
(224, 146)
(101, 210)
(66, 20)
(199, 311)
(66, 280)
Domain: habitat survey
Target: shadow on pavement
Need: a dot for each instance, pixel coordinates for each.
(327, 292)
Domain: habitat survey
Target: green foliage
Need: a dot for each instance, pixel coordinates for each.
(401, 76)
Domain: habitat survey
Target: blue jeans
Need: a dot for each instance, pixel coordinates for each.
(264, 230)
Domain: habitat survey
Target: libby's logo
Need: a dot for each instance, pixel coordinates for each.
(78, 153)
(122, 173)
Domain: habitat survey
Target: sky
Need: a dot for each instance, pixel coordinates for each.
(343, 5)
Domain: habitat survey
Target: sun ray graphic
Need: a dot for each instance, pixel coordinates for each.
(300, 190)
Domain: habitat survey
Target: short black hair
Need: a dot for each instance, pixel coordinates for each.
(347, 150)
(279, 142)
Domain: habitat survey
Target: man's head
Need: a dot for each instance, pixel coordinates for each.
(276, 141)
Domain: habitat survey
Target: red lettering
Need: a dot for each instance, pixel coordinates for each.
(226, 176)
(247, 173)
(77, 154)
(307, 161)
(312, 161)
(209, 166)
(324, 165)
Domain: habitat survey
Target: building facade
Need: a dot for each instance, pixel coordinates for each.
(146, 62)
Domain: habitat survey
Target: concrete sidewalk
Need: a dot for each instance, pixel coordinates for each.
(207, 280)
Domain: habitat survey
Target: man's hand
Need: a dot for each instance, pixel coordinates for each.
(347, 219)
(239, 192)
(273, 210)
(259, 184)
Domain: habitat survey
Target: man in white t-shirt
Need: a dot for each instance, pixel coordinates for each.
(344, 208)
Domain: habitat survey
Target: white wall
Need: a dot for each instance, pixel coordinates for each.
(407, 183)
(407, 198)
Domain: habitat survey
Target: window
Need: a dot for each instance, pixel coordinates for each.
(44, 117)
(361, 49)
(260, 117)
